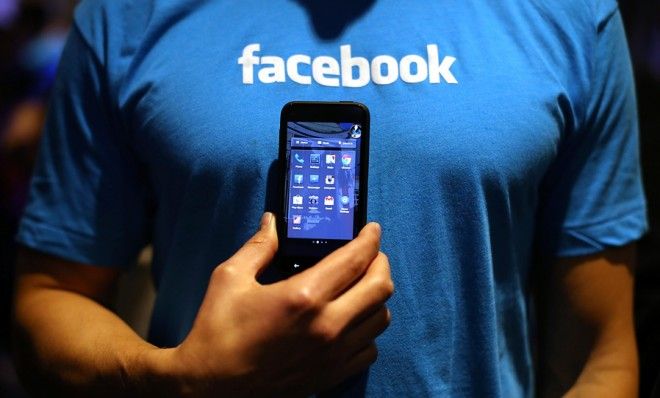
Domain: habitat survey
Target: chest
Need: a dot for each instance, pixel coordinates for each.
(460, 98)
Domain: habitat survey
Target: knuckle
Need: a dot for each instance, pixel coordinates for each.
(303, 300)
(384, 286)
(222, 272)
(324, 331)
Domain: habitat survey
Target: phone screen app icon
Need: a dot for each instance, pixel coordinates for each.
(330, 159)
(297, 200)
(298, 158)
(356, 131)
(297, 179)
(344, 200)
(315, 158)
(329, 179)
(346, 159)
(313, 200)
(314, 178)
(329, 201)
(297, 219)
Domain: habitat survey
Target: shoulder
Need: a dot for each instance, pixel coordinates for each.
(586, 13)
(110, 27)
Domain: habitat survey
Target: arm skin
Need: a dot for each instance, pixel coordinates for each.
(587, 338)
(290, 338)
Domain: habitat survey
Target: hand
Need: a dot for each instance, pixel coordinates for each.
(294, 337)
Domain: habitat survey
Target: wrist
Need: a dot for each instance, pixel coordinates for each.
(152, 371)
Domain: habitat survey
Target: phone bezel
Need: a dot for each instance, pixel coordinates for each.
(315, 111)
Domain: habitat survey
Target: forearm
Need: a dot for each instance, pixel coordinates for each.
(291, 338)
(68, 344)
(587, 339)
(585, 362)
(612, 368)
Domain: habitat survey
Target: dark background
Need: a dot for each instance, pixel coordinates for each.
(32, 33)
(642, 21)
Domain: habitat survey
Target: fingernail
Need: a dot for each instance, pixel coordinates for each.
(265, 219)
(378, 227)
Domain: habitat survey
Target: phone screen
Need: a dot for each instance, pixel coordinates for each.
(322, 181)
(324, 159)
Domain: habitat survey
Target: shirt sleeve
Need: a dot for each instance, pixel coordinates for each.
(88, 196)
(592, 197)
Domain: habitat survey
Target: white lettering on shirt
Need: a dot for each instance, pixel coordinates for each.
(350, 70)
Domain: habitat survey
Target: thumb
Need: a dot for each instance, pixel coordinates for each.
(257, 253)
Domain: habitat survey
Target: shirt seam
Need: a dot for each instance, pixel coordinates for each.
(635, 210)
(31, 220)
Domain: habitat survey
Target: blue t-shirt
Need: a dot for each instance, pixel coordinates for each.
(502, 132)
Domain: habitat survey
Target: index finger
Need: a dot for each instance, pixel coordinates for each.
(336, 272)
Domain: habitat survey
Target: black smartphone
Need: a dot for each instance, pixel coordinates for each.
(324, 162)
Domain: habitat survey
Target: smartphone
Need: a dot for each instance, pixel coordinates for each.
(324, 162)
